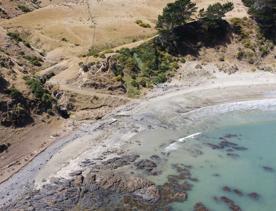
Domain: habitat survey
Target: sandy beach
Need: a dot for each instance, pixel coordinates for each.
(110, 136)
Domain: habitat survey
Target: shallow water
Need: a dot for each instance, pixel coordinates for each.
(230, 150)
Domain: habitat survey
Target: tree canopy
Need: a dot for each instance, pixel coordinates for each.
(264, 12)
(215, 13)
(176, 14)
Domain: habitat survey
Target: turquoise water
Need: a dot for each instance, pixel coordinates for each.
(236, 150)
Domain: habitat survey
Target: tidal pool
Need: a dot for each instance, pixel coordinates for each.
(230, 153)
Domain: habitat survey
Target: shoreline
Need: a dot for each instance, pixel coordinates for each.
(108, 136)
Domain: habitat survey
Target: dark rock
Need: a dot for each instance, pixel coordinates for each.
(233, 155)
(4, 147)
(255, 196)
(117, 162)
(230, 203)
(200, 207)
(155, 158)
(268, 169)
(238, 192)
(147, 165)
(227, 189)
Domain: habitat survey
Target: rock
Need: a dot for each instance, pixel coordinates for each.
(169, 193)
(233, 155)
(198, 66)
(117, 162)
(200, 207)
(238, 192)
(78, 180)
(155, 158)
(75, 173)
(255, 196)
(268, 169)
(149, 194)
(4, 147)
(227, 189)
(230, 203)
(147, 165)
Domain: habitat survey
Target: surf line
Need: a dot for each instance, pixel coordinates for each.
(173, 146)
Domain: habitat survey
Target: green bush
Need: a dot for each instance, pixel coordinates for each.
(17, 38)
(142, 24)
(34, 60)
(37, 88)
(143, 66)
(14, 93)
(24, 8)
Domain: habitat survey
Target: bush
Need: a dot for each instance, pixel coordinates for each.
(39, 92)
(142, 24)
(14, 93)
(17, 38)
(34, 60)
(143, 66)
(24, 8)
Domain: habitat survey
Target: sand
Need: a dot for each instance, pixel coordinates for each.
(111, 135)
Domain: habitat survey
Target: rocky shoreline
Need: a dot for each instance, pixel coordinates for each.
(107, 185)
(95, 164)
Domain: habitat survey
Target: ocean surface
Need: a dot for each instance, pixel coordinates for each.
(230, 151)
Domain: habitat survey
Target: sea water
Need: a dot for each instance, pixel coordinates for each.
(233, 150)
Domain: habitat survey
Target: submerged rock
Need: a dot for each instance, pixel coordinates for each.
(255, 196)
(117, 162)
(146, 165)
(268, 169)
(230, 203)
(200, 207)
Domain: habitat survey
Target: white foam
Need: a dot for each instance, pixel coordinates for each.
(264, 105)
(174, 146)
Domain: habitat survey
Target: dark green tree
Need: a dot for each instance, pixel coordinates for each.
(214, 14)
(175, 14)
(264, 12)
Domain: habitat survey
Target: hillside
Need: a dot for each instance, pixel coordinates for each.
(57, 59)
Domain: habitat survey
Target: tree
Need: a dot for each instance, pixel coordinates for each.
(214, 13)
(175, 14)
(264, 12)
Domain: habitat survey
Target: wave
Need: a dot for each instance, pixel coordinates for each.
(174, 146)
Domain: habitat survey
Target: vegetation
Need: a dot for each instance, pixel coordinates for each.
(255, 46)
(142, 67)
(17, 38)
(214, 14)
(264, 12)
(24, 8)
(175, 14)
(34, 60)
(40, 93)
(142, 24)
(93, 52)
(176, 21)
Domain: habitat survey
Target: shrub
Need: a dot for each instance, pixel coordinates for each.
(17, 38)
(24, 8)
(14, 93)
(143, 66)
(34, 60)
(39, 92)
(142, 24)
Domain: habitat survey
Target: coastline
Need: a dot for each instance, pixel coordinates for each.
(108, 137)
